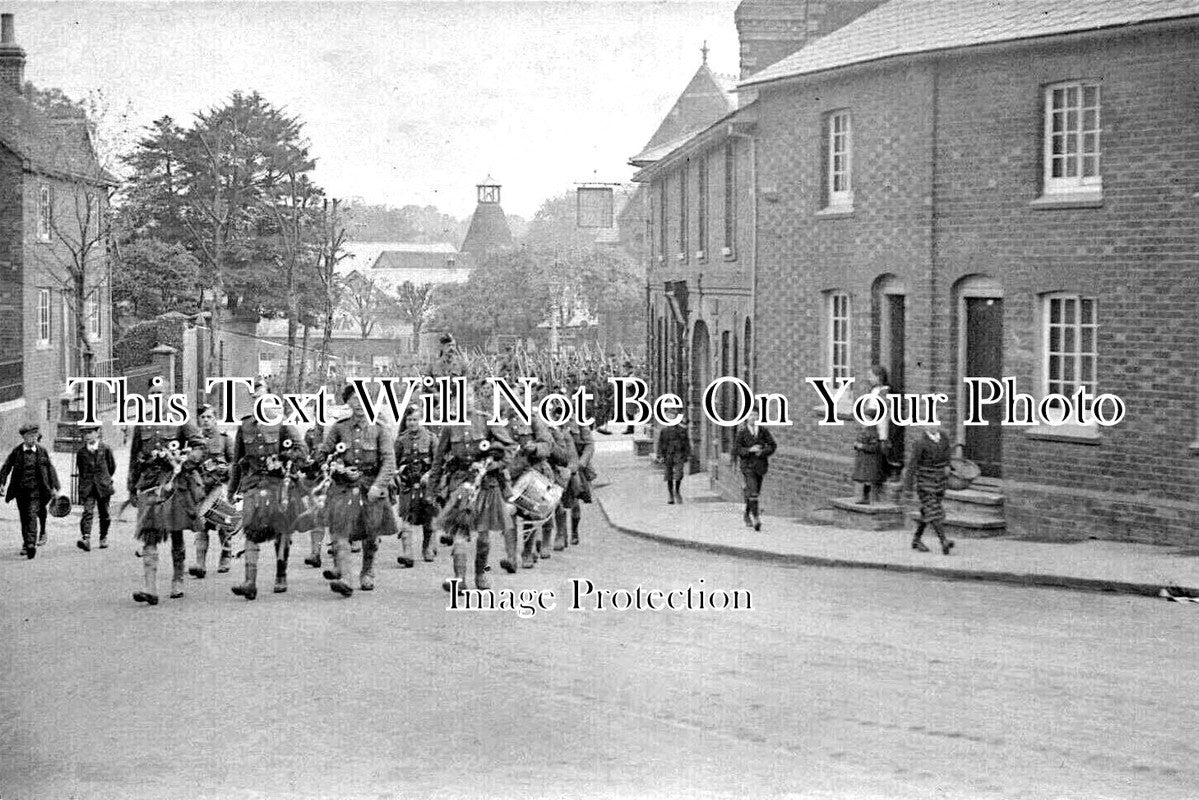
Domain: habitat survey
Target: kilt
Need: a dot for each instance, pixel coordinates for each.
(351, 516)
(154, 514)
(263, 513)
(412, 507)
(490, 513)
(930, 488)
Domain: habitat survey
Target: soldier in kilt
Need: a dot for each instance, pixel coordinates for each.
(314, 517)
(156, 456)
(535, 443)
(267, 460)
(473, 460)
(928, 471)
(415, 447)
(361, 459)
(218, 466)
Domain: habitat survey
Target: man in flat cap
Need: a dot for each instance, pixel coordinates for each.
(33, 484)
(95, 466)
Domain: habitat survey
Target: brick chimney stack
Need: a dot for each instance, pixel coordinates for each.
(12, 55)
(771, 30)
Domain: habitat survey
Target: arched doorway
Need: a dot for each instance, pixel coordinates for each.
(979, 317)
(701, 376)
(889, 297)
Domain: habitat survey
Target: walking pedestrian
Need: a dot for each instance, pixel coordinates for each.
(95, 466)
(33, 483)
(674, 453)
(869, 462)
(752, 447)
(928, 471)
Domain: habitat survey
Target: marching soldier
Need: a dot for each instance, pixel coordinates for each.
(357, 507)
(472, 458)
(584, 443)
(535, 443)
(415, 447)
(34, 483)
(220, 456)
(95, 465)
(313, 439)
(156, 455)
(266, 461)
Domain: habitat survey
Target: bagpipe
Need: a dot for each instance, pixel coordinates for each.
(157, 471)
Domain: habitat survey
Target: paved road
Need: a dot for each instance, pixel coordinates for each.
(837, 684)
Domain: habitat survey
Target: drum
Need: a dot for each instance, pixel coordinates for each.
(223, 516)
(534, 495)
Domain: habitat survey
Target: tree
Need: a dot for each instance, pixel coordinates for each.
(155, 277)
(415, 304)
(365, 302)
(330, 252)
(212, 186)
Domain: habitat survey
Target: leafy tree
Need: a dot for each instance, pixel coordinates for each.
(415, 304)
(155, 277)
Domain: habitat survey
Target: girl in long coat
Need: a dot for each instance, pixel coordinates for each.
(870, 461)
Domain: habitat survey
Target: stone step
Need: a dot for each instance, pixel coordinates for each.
(975, 497)
(969, 525)
(875, 517)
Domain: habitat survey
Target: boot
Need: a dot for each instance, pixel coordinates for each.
(482, 553)
(428, 548)
(314, 558)
(104, 523)
(149, 594)
(916, 543)
(749, 523)
(511, 546)
(366, 580)
(84, 544)
(178, 562)
(226, 554)
(677, 490)
(406, 559)
(576, 516)
(340, 576)
(460, 558)
(946, 544)
(249, 588)
(670, 494)
(200, 569)
(756, 514)
(561, 523)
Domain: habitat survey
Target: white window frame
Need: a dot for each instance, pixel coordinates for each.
(1077, 130)
(44, 329)
(1073, 342)
(45, 212)
(839, 152)
(838, 334)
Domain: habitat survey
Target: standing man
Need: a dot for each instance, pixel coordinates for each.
(414, 450)
(33, 484)
(752, 447)
(95, 465)
(357, 506)
(674, 453)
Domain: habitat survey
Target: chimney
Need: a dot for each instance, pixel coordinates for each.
(12, 55)
(771, 30)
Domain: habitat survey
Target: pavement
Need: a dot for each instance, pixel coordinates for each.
(633, 497)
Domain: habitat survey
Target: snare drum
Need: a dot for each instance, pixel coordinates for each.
(223, 516)
(534, 495)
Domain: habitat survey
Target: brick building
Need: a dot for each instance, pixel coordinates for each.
(981, 189)
(53, 200)
(698, 174)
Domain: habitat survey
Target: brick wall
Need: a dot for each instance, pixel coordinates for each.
(936, 204)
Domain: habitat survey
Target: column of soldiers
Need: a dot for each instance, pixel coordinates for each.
(354, 482)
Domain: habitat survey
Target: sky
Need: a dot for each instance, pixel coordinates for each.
(403, 102)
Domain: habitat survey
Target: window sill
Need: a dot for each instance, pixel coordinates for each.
(1194, 448)
(834, 212)
(43, 346)
(728, 254)
(1080, 199)
(1071, 434)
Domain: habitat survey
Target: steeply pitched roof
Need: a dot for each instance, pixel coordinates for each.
(706, 99)
(488, 231)
(60, 146)
(909, 27)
